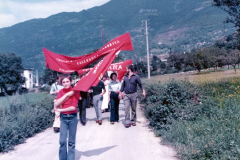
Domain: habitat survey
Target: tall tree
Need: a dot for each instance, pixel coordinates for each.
(155, 63)
(232, 7)
(49, 76)
(176, 60)
(11, 70)
(233, 58)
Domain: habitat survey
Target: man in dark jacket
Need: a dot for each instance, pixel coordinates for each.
(129, 87)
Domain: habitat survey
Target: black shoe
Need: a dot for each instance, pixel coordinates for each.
(56, 129)
(83, 123)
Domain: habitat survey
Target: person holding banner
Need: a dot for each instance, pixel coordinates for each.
(55, 88)
(68, 99)
(82, 104)
(129, 87)
(114, 90)
(98, 92)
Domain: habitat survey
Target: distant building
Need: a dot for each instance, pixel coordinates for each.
(28, 74)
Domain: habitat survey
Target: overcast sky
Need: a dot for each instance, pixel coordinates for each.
(15, 11)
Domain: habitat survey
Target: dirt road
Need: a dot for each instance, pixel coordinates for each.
(95, 142)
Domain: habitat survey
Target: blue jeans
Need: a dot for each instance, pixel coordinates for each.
(114, 100)
(68, 127)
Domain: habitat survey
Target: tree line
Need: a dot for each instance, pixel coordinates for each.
(224, 52)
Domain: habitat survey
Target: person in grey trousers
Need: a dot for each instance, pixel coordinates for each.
(55, 88)
(129, 93)
(98, 92)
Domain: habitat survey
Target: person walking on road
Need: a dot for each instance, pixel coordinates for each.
(129, 87)
(98, 92)
(82, 104)
(105, 96)
(68, 99)
(114, 90)
(55, 88)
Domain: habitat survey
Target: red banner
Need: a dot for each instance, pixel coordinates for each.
(121, 74)
(113, 67)
(120, 67)
(66, 64)
(96, 74)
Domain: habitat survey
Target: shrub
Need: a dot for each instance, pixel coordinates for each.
(188, 68)
(194, 120)
(167, 102)
(23, 120)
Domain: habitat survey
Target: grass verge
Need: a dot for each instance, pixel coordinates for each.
(23, 118)
(200, 120)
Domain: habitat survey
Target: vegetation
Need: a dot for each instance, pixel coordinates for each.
(223, 53)
(23, 117)
(11, 70)
(24, 98)
(199, 118)
(232, 8)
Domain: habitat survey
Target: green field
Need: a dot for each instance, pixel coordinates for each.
(22, 116)
(195, 77)
(25, 98)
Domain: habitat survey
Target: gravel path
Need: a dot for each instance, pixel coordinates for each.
(95, 142)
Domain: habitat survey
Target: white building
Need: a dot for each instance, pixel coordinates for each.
(28, 74)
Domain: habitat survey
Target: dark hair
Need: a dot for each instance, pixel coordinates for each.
(130, 67)
(59, 76)
(83, 74)
(68, 76)
(113, 74)
(106, 76)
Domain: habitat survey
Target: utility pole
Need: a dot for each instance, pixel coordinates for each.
(103, 36)
(148, 63)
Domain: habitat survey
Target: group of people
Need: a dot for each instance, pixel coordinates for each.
(67, 101)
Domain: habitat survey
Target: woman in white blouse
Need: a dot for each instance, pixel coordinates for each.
(105, 96)
(114, 90)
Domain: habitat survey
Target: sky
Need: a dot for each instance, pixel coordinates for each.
(15, 11)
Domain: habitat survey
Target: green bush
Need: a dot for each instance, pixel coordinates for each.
(168, 102)
(188, 68)
(193, 119)
(23, 120)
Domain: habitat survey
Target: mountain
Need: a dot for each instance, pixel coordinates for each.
(176, 25)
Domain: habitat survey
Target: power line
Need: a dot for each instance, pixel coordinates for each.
(153, 4)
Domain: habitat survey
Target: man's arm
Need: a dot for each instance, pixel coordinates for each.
(141, 86)
(122, 89)
(104, 91)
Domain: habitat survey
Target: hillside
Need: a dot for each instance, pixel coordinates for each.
(177, 24)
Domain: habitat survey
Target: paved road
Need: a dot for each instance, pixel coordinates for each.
(95, 142)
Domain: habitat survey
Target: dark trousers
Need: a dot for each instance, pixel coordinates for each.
(82, 104)
(130, 102)
(68, 129)
(114, 100)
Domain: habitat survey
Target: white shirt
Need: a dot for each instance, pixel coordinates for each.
(114, 86)
(55, 86)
